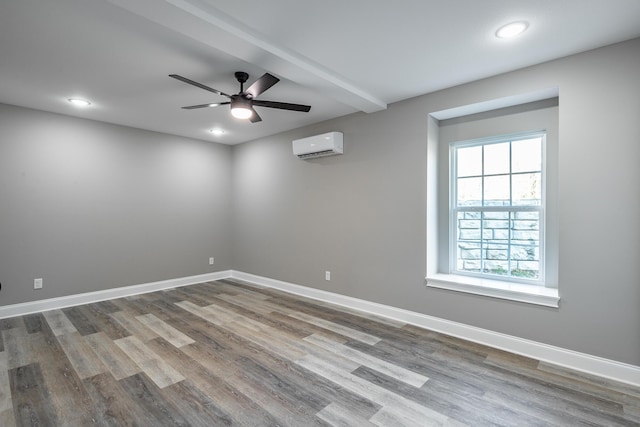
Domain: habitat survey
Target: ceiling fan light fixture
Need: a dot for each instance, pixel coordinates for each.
(241, 112)
(241, 108)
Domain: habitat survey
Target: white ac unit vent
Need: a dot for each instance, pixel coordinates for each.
(327, 144)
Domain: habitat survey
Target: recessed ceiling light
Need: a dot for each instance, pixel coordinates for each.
(512, 30)
(79, 102)
(217, 131)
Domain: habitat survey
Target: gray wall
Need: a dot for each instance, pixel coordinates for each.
(362, 215)
(87, 205)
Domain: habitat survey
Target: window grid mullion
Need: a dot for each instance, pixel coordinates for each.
(482, 248)
(510, 236)
(511, 205)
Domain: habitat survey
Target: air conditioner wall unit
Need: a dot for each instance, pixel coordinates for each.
(327, 144)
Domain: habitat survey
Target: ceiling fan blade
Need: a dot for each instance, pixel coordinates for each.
(282, 105)
(196, 84)
(193, 107)
(262, 84)
(255, 117)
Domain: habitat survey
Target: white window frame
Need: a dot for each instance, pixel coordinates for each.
(508, 288)
(454, 210)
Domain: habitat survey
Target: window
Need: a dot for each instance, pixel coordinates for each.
(497, 208)
(492, 202)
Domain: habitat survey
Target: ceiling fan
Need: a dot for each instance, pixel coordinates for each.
(243, 102)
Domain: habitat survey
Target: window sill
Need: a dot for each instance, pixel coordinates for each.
(497, 289)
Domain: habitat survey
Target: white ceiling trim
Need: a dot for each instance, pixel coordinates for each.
(206, 24)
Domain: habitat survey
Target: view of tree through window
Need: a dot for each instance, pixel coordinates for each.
(497, 207)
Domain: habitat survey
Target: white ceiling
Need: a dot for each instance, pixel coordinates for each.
(339, 56)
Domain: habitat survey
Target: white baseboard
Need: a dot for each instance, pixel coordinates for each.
(593, 365)
(91, 297)
(582, 362)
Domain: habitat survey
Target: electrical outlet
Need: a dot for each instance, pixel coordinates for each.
(327, 275)
(211, 261)
(37, 283)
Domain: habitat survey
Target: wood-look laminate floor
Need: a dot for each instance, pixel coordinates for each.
(227, 353)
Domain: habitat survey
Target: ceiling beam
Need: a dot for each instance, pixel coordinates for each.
(207, 24)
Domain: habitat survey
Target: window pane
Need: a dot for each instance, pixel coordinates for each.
(496, 158)
(496, 259)
(496, 190)
(469, 238)
(469, 257)
(469, 192)
(469, 161)
(527, 189)
(495, 230)
(526, 155)
(525, 245)
(469, 226)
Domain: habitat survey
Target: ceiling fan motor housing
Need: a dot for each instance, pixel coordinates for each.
(239, 101)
